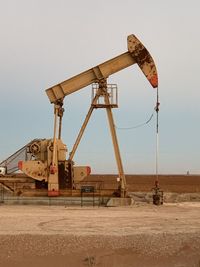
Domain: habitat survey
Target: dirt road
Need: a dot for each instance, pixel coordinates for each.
(140, 235)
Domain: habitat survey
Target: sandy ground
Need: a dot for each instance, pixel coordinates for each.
(140, 235)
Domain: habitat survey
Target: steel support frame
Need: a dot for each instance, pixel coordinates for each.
(103, 91)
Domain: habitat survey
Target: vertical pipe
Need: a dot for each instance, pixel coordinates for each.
(60, 127)
(54, 134)
(157, 136)
(157, 151)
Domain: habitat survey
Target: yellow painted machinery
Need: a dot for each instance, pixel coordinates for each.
(48, 164)
(39, 167)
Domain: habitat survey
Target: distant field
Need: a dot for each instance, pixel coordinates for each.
(168, 183)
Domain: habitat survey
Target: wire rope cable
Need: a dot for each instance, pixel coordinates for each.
(138, 125)
(156, 109)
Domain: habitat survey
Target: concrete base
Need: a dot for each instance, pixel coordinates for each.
(119, 201)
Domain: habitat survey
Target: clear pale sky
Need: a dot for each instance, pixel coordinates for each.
(44, 42)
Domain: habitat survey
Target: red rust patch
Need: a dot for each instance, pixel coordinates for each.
(88, 170)
(20, 164)
(154, 81)
(53, 169)
(53, 193)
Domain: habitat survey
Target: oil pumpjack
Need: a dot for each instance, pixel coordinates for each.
(48, 164)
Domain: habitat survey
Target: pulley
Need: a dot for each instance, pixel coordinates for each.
(34, 148)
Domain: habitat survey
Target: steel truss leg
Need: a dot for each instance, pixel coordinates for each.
(116, 147)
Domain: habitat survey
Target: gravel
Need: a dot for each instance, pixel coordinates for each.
(140, 235)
